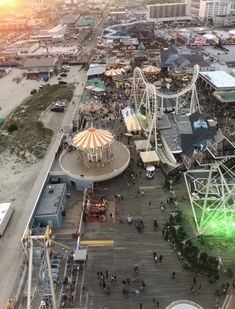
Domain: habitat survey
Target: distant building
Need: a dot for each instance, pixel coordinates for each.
(14, 25)
(224, 20)
(210, 8)
(21, 49)
(195, 6)
(85, 22)
(169, 12)
(40, 68)
(69, 19)
(54, 34)
(177, 59)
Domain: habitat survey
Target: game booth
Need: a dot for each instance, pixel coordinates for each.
(94, 207)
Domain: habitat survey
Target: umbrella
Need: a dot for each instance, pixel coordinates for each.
(123, 62)
(150, 168)
(113, 72)
(151, 69)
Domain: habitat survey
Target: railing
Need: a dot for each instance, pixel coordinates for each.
(184, 302)
(219, 153)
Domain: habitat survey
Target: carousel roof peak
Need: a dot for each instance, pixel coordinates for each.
(92, 138)
(91, 129)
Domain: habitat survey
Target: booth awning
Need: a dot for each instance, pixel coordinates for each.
(127, 111)
(95, 69)
(80, 255)
(94, 88)
(149, 157)
(143, 144)
(132, 124)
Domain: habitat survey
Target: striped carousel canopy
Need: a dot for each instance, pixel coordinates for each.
(92, 138)
(113, 72)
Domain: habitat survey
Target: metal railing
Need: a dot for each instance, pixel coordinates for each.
(184, 302)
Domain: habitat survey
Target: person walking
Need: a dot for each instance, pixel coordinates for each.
(160, 258)
(156, 259)
(173, 275)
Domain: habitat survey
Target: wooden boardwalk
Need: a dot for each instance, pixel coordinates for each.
(131, 247)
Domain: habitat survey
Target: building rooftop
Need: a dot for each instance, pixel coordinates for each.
(3, 210)
(225, 97)
(39, 62)
(50, 201)
(219, 79)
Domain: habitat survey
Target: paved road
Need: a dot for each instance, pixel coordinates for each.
(10, 248)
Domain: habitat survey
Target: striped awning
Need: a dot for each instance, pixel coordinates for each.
(132, 124)
(113, 72)
(92, 138)
(127, 111)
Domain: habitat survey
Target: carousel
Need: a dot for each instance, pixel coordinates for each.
(94, 155)
(94, 146)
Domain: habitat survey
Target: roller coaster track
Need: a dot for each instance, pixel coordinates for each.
(146, 95)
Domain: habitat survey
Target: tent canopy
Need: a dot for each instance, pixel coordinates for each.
(94, 88)
(92, 138)
(113, 72)
(132, 124)
(95, 69)
(151, 69)
(142, 144)
(149, 157)
(127, 111)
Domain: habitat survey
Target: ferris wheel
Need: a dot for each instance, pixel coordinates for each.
(150, 103)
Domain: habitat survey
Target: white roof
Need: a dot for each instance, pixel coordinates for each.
(219, 79)
(149, 156)
(95, 69)
(143, 144)
(209, 36)
(3, 210)
(232, 32)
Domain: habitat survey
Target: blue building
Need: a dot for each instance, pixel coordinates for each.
(50, 210)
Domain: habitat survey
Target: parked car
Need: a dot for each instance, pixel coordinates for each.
(63, 74)
(62, 82)
(58, 109)
(33, 91)
(60, 103)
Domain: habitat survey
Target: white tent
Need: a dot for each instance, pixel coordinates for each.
(209, 36)
(232, 32)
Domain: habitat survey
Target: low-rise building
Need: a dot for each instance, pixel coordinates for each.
(40, 68)
(53, 34)
(21, 49)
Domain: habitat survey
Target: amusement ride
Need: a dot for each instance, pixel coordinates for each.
(211, 185)
(150, 102)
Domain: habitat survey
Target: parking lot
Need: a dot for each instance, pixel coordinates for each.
(13, 93)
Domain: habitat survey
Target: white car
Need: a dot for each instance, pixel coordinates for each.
(61, 104)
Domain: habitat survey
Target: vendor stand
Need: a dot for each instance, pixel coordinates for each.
(94, 207)
(143, 145)
(150, 158)
(133, 126)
